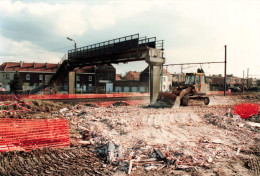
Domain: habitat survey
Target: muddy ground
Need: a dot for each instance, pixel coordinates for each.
(194, 140)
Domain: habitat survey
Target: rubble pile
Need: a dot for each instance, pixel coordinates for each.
(156, 139)
(26, 109)
(140, 140)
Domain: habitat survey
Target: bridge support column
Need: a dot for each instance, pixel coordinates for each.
(155, 61)
(72, 79)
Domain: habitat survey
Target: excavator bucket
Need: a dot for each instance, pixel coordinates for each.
(165, 100)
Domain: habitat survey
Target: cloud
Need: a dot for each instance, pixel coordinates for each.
(194, 31)
(26, 51)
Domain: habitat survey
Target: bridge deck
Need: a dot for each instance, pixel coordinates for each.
(120, 50)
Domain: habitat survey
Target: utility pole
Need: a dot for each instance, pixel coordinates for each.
(247, 76)
(162, 79)
(225, 73)
(243, 81)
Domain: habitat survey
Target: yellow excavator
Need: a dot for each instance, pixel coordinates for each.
(194, 88)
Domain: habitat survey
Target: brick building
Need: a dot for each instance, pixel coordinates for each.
(33, 75)
(131, 83)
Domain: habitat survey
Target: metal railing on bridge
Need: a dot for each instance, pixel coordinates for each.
(115, 46)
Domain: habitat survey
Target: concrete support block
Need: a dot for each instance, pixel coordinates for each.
(72, 80)
(155, 61)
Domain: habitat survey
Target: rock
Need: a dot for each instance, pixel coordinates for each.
(63, 110)
(217, 141)
(69, 114)
(84, 142)
(210, 160)
(110, 152)
(241, 125)
(151, 168)
(253, 124)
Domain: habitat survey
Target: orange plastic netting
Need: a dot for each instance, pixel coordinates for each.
(246, 110)
(28, 134)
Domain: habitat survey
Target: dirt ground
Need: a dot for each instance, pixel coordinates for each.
(140, 140)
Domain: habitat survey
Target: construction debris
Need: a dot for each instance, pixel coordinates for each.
(139, 140)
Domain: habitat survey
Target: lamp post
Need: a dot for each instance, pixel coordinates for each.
(75, 78)
(75, 44)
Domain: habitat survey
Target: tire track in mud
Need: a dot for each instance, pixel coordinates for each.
(78, 161)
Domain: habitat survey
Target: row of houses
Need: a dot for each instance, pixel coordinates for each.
(33, 75)
(103, 78)
(89, 79)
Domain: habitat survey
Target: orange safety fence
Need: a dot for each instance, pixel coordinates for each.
(29, 134)
(246, 110)
(70, 96)
(85, 96)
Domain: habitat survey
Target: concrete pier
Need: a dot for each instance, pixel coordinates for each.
(155, 60)
(72, 82)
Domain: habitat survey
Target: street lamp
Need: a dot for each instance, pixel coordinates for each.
(75, 44)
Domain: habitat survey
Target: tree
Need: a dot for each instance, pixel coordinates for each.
(17, 83)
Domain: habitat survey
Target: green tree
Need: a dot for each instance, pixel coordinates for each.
(17, 83)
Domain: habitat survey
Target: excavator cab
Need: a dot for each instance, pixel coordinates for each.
(190, 79)
(200, 84)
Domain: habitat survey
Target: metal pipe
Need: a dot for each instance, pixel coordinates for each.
(194, 63)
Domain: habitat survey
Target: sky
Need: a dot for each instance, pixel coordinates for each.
(192, 30)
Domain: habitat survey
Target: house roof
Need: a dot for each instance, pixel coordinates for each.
(118, 77)
(132, 75)
(165, 72)
(32, 67)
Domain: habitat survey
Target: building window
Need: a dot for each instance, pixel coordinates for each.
(198, 79)
(40, 77)
(202, 79)
(66, 87)
(7, 76)
(90, 78)
(90, 87)
(78, 78)
(78, 87)
(101, 76)
(110, 76)
(28, 77)
(164, 79)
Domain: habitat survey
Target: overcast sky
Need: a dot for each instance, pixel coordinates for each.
(194, 31)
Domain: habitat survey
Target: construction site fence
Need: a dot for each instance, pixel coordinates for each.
(29, 134)
(13, 97)
(70, 96)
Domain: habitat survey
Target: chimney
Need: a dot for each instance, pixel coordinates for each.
(33, 64)
(21, 63)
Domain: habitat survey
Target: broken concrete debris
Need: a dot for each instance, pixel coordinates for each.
(181, 141)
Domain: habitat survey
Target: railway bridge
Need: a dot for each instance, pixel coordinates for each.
(121, 50)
